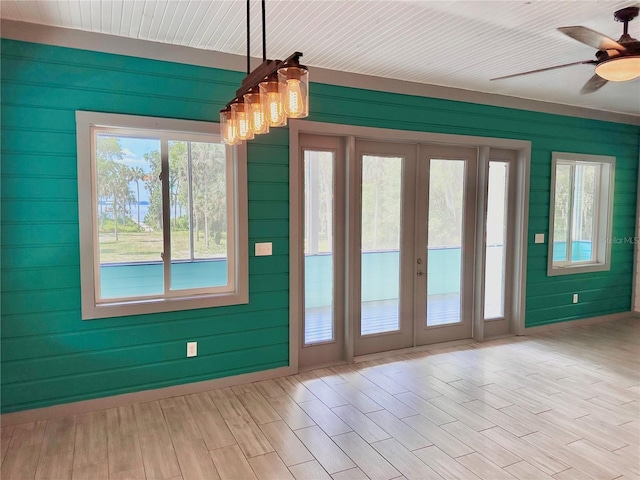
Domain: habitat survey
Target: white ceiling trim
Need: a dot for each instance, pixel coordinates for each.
(100, 42)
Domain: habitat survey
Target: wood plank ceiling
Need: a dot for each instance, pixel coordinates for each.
(460, 44)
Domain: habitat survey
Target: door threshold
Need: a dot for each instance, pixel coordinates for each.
(421, 348)
(308, 368)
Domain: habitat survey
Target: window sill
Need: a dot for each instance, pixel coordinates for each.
(159, 305)
(573, 269)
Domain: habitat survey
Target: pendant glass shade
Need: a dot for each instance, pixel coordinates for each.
(295, 98)
(255, 107)
(620, 69)
(228, 127)
(240, 114)
(271, 90)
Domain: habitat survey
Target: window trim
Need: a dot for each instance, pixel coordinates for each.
(89, 273)
(603, 221)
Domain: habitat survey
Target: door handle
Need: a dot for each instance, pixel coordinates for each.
(419, 273)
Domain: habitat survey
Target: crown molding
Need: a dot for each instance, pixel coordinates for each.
(100, 42)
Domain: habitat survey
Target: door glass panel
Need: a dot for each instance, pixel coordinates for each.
(444, 241)
(318, 247)
(496, 231)
(380, 248)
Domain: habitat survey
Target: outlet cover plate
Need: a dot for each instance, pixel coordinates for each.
(539, 238)
(192, 349)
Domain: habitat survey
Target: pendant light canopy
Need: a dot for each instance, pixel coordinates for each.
(274, 91)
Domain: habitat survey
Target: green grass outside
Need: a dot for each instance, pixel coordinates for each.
(147, 247)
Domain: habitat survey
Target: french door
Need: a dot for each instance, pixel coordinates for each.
(444, 246)
(383, 300)
(416, 245)
(404, 244)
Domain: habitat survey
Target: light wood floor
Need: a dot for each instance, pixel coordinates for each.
(563, 405)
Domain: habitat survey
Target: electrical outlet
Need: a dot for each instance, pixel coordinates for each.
(539, 238)
(575, 298)
(192, 349)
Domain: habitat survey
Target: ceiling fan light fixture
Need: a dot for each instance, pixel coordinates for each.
(620, 69)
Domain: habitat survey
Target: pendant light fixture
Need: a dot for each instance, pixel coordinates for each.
(271, 93)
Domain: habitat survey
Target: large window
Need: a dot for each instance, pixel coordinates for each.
(162, 216)
(581, 210)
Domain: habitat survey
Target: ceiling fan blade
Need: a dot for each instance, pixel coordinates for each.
(546, 69)
(594, 83)
(592, 38)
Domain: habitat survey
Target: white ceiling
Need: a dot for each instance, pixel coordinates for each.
(459, 44)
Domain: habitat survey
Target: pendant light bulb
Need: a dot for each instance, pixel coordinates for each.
(255, 105)
(228, 127)
(242, 120)
(271, 90)
(296, 98)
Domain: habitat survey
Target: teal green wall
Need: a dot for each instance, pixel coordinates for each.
(51, 356)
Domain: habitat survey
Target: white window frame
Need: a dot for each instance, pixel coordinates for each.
(236, 292)
(603, 215)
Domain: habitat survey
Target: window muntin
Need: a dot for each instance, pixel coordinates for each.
(581, 210)
(166, 218)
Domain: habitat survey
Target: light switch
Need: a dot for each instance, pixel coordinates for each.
(264, 249)
(539, 238)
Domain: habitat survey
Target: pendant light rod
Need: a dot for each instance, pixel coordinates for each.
(264, 32)
(248, 37)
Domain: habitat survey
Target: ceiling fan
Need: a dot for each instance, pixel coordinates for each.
(616, 61)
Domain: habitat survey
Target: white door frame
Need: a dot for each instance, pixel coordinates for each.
(486, 144)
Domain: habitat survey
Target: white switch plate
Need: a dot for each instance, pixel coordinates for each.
(192, 349)
(264, 249)
(539, 238)
(575, 298)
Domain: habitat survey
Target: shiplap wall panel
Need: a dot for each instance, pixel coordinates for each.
(50, 356)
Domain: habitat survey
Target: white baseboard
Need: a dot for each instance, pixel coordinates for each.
(578, 323)
(85, 406)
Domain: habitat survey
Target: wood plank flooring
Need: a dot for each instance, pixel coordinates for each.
(559, 405)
